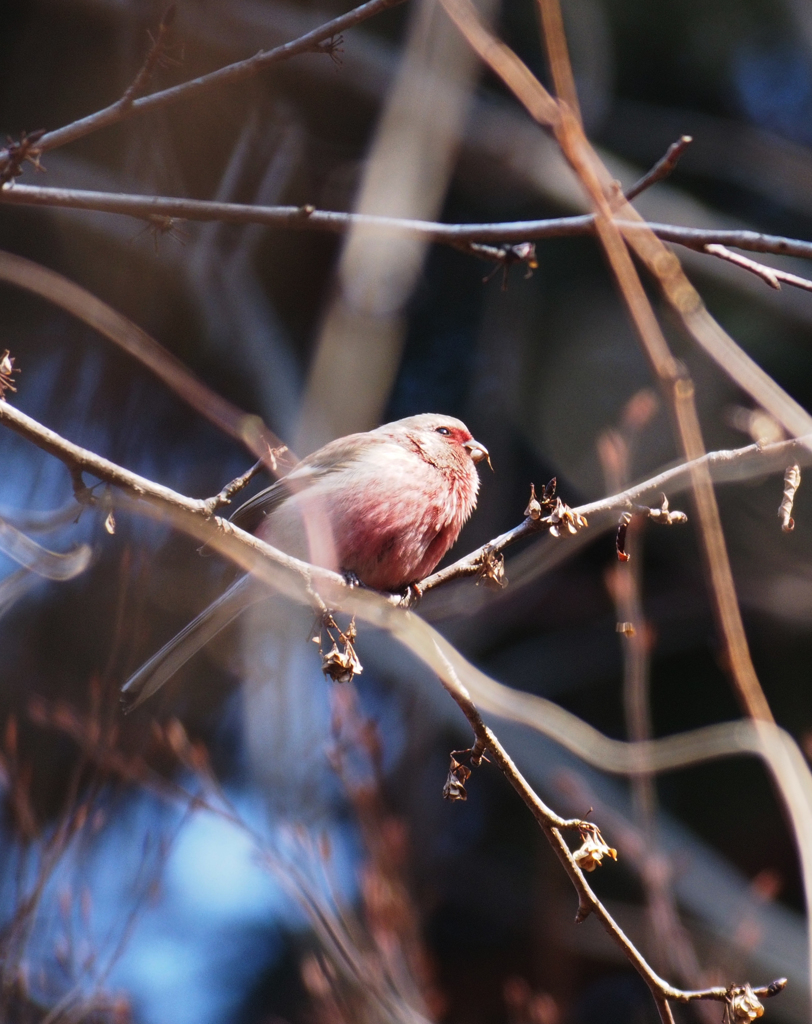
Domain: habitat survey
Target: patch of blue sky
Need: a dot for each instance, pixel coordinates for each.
(192, 955)
(773, 84)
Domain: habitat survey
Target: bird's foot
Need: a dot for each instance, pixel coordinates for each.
(409, 597)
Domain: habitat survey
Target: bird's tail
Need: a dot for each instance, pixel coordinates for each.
(162, 666)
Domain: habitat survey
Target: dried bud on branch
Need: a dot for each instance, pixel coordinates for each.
(561, 519)
(743, 1005)
(792, 481)
(458, 775)
(536, 506)
(7, 370)
(340, 663)
(492, 570)
(18, 153)
(333, 47)
(662, 515)
(593, 848)
(505, 256)
(107, 503)
(620, 539)
(564, 519)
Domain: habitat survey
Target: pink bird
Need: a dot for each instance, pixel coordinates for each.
(382, 506)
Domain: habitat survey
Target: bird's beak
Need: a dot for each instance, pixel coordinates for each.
(478, 452)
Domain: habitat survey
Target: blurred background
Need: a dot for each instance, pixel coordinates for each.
(241, 852)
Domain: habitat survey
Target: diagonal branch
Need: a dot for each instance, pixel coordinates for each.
(128, 107)
(297, 578)
(736, 464)
(56, 288)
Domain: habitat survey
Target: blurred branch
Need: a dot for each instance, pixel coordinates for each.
(127, 106)
(665, 268)
(558, 116)
(47, 283)
(32, 556)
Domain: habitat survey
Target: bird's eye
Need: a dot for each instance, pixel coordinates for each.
(443, 430)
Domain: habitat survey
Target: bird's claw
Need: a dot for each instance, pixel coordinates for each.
(410, 596)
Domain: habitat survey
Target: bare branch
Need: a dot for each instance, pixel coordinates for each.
(724, 466)
(309, 218)
(236, 485)
(195, 516)
(118, 111)
(770, 275)
(664, 166)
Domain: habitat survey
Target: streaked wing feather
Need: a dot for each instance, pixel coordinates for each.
(332, 458)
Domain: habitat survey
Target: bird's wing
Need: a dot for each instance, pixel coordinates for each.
(332, 458)
(252, 512)
(162, 666)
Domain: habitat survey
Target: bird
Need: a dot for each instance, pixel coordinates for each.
(383, 507)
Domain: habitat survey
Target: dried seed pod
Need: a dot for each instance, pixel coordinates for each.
(458, 775)
(665, 516)
(492, 570)
(620, 539)
(743, 1005)
(7, 371)
(564, 519)
(792, 481)
(593, 848)
(341, 665)
(534, 505)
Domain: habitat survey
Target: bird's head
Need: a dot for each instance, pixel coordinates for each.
(441, 439)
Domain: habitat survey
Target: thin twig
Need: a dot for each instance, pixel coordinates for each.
(148, 67)
(770, 275)
(236, 485)
(299, 218)
(237, 72)
(664, 166)
(723, 466)
(765, 273)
